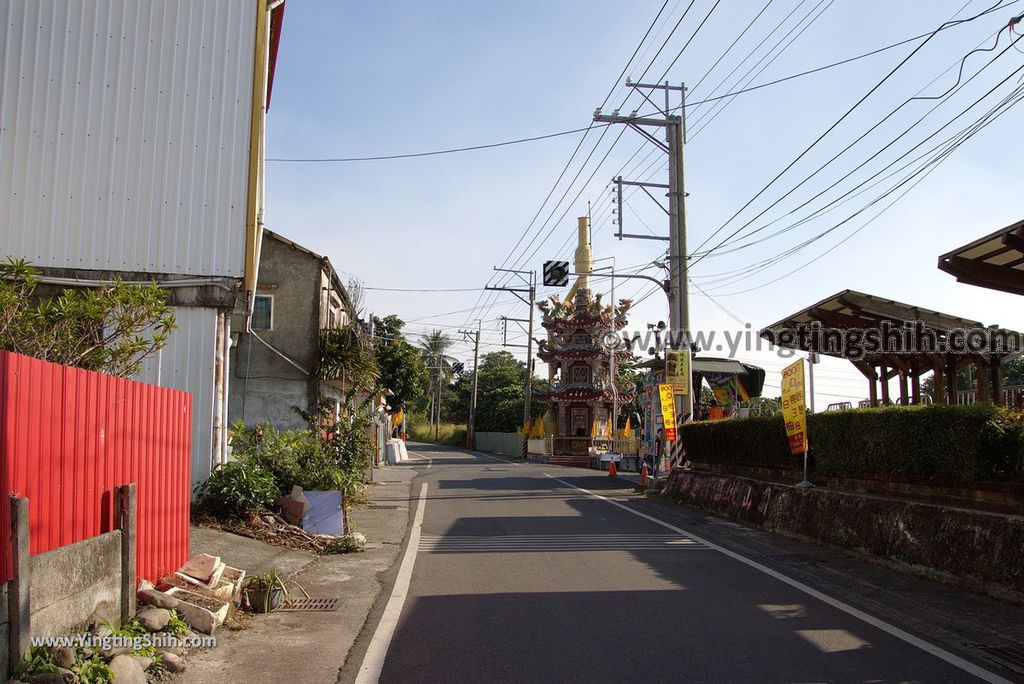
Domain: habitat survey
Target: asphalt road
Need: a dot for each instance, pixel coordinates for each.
(520, 576)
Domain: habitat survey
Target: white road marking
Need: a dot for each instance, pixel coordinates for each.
(493, 458)
(429, 460)
(925, 646)
(373, 661)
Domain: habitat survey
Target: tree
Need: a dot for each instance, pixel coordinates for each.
(499, 394)
(401, 365)
(346, 354)
(111, 328)
(433, 346)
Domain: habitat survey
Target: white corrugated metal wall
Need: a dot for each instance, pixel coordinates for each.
(124, 133)
(187, 363)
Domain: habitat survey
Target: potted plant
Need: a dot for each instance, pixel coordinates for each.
(264, 593)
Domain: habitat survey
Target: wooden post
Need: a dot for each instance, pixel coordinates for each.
(951, 388)
(872, 389)
(126, 516)
(996, 373)
(984, 381)
(19, 602)
(904, 392)
(939, 378)
(883, 377)
(915, 382)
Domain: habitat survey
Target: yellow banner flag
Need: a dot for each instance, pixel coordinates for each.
(677, 370)
(794, 409)
(668, 411)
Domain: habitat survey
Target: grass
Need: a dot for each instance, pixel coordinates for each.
(452, 435)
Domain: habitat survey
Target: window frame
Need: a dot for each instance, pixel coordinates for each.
(271, 312)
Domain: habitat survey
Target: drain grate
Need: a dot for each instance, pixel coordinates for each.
(382, 507)
(307, 605)
(1011, 657)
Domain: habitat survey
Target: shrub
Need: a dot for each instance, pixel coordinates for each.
(238, 487)
(978, 442)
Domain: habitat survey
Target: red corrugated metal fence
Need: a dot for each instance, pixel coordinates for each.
(69, 437)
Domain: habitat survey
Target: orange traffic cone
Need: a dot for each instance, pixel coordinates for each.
(643, 475)
(612, 471)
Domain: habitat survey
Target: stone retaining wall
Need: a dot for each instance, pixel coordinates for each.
(976, 549)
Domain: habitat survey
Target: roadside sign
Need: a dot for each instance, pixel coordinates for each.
(668, 410)
(794, 408)
(677, 370)
(556, 273)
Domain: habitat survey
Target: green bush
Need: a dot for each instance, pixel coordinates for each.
(238, 487)
(974, 443)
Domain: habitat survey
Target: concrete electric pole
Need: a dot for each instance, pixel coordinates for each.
(471, 427)
(529, 280)
(675, 140)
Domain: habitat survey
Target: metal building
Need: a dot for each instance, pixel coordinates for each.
(131, 145)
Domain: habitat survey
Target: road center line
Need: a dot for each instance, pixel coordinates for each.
(925, 646)
(373, 661)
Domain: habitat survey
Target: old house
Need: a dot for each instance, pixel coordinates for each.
(275, 366)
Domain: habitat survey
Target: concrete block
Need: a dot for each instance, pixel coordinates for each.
(193, 610)
(72, 583)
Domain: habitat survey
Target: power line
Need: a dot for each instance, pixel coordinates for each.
(951, 144)
(411, 155)
(421, 289)
(862, 165)
(829, 130)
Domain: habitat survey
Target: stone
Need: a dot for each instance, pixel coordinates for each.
(109, 653)
(145, 584)
(173, 662)
(127, 670)
(63, 656)
(157, 599)
(143, 661)
(201, 566)
(46, 678)
(102, 632)
(154, 619)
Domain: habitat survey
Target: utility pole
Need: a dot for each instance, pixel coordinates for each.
(529, 280)
(440, 373)
(675, 140)
(471, 427)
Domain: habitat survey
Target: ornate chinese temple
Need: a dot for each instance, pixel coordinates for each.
(581, 397)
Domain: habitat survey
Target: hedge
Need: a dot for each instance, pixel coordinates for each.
(973, 443)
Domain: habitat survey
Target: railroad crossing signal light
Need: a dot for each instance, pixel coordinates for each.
(556, 273)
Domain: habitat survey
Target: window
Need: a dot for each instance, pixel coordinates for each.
(263, 313)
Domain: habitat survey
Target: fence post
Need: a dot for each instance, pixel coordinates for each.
(126, 517)
(19, 603)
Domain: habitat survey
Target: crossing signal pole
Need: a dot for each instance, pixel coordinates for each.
(675, 140)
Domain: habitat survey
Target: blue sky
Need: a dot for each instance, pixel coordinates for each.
(365, 79)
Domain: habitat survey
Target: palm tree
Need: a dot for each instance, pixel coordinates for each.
(433, 346)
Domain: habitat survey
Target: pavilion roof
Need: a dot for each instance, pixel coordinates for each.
(850, 310)
(995, 261)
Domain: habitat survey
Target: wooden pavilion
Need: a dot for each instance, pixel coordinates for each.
(995, 261)
(886, 339)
